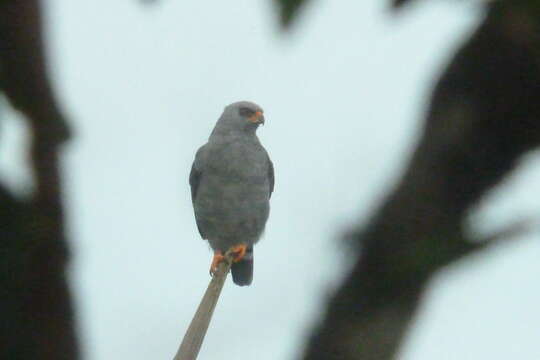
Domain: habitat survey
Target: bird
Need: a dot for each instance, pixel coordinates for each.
(232, 181)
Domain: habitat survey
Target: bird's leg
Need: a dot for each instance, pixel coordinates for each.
(218, 258)
(238, 251)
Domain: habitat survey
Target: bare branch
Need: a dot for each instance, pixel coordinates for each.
(193, 339)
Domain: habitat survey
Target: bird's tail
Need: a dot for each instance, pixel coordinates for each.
(242, 271)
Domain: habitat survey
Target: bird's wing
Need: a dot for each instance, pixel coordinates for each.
(271, 176)
(196, 172)
(194, 181)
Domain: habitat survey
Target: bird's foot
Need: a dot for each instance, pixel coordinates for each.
(238, 252)
(218, 258)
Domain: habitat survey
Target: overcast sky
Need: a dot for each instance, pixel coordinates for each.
(343, 96)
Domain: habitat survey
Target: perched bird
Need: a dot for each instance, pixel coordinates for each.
(232, 179)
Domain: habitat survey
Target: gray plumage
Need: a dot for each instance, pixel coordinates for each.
(232, 179)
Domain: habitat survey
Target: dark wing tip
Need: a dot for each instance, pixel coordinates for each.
(271, 178)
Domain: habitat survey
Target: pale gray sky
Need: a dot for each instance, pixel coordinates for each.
(343, 96)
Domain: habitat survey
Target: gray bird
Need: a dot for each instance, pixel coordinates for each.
(232, 179)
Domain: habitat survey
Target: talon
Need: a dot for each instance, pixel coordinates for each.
(218, 258)
(238, 252)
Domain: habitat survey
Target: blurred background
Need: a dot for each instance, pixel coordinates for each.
(343, 93)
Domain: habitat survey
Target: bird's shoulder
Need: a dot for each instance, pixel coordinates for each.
(200, 156)
(223, 145)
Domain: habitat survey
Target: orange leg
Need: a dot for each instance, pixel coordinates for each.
(238, 252)
(218, 257)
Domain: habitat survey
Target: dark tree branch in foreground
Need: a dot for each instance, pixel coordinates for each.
(35, 306)
(483, 116)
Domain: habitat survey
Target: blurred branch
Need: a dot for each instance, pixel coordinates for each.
(396, 4)
(511, 232)
(148, 2)
(193, 339)
(289, 11)
(483, 116)
(34, 250)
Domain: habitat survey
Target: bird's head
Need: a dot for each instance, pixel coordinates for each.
(242, 116)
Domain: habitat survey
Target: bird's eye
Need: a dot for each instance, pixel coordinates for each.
(246, 112)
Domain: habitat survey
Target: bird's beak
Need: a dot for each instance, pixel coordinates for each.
(257, 118)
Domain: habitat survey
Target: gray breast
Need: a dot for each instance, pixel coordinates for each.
(232, 203)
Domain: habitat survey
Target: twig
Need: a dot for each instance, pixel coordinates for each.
(515, 230)
(191, 344)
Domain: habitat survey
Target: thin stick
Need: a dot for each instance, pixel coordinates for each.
(193, 339)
